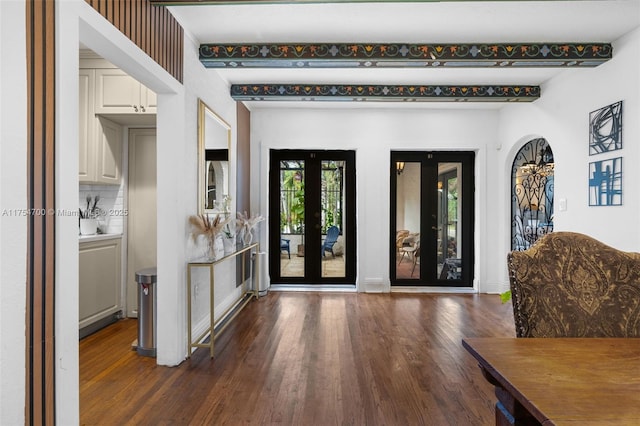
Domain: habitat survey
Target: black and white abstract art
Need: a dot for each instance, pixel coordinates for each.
(605, 182)
(605, 129)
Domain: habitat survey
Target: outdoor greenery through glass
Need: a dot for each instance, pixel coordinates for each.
(452, 207)
(292, 195)
(331, 194)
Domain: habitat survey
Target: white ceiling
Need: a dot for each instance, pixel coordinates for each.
(417, 22)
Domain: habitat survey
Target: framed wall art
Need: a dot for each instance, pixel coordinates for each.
(605, 182)
(605, 129)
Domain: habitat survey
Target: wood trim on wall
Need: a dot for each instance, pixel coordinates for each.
(243, 155)
(40, 363)
(152, 28)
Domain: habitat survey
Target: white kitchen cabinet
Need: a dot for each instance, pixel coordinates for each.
(100, 140)
(87, 124)
(119, 93)
(109, 152)
(100, 281)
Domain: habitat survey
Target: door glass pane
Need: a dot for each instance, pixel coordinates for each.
(449, 221)
(332, 199)
(408, 220)
(292, 195)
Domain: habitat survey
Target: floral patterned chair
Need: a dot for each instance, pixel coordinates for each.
(571, 285)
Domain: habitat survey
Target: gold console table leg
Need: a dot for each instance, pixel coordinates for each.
(237, 307)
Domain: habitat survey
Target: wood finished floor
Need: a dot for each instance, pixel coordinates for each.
(307, 359)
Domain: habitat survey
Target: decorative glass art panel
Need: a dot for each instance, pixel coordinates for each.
(605, 182)
(605, 129)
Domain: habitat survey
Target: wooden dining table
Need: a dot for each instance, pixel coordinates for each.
(562, 381)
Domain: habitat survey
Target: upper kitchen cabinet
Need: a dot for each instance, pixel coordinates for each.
(119, 93)
(86, 122)
(100, 149)
(109, 152)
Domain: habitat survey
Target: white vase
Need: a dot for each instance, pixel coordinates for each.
(247, 237)
(210, 251)
(218, 247)
(88, 226)
(229, 244)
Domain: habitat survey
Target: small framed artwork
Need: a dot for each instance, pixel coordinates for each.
(605, 129)
(605, 182)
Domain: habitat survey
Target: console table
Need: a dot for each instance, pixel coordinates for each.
(229, 314)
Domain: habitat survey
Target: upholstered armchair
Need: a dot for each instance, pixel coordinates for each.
(571, 285)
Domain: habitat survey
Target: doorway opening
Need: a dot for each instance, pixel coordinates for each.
(432, 204)
(312, 217)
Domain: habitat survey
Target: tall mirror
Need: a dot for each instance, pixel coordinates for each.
(214, 138)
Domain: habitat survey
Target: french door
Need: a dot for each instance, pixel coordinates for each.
(312, 217)
(432, 199)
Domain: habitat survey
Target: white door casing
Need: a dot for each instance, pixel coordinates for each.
(142, 211)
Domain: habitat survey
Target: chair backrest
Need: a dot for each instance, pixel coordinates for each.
(411, 240)
(571, 285)
(332, 235)
(400, 235)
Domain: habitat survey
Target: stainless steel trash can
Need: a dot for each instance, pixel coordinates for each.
(147, 279)
(263, 287)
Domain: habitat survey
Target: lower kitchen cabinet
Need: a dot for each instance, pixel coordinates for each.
(100, 284)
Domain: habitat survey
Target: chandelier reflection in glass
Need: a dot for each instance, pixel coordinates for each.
(531, 194)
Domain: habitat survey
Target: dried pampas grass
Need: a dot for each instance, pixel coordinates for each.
(202, 224)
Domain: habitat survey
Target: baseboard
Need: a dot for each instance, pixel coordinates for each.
(100, 324)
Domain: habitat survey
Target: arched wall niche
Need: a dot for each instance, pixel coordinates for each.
(531, 192)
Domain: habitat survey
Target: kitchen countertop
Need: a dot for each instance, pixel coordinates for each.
(97, 237)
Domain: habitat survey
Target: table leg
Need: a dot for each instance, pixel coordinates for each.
(509, 412)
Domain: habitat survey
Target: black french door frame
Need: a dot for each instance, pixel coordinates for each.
(312, 205)
(429, 161)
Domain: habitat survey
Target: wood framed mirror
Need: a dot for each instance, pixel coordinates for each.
(214, 142)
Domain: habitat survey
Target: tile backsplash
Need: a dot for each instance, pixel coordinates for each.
(111, 202)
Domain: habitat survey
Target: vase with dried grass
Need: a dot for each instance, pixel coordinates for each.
(209, 228)
(245, 225)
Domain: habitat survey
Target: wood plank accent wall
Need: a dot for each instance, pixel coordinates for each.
(152, 28)
(40, 362)
(243, 164)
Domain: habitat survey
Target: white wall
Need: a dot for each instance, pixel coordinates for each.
(177, 160)
(13, 224)
(561, 116)
(177, 183)
(200, 83)
(373, 133)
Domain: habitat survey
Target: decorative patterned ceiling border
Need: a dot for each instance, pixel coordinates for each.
(394, 93)
(350, 55)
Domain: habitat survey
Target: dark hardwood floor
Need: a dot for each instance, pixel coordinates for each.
(307, 359)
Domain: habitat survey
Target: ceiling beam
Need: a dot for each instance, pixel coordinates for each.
(402, 55)
(394, 93)
(254, 2)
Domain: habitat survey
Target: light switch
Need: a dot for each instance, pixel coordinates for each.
(562, 204)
